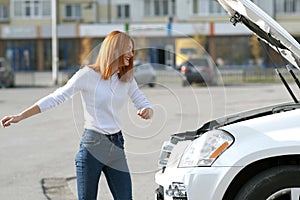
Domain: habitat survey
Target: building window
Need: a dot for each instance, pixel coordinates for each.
(73, 11)
(207, 7)
(287, 6)
(123, 11)
(147, 8)
(3, 13)
(159, 7)
(31, 8)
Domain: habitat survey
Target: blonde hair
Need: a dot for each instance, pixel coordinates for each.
(110, 58)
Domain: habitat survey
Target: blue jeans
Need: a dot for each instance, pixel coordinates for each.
(102, 153)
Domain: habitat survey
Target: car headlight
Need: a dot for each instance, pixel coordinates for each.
(204, 150)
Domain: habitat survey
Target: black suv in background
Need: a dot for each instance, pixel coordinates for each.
(199, 70)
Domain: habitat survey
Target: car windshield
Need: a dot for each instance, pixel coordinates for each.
(198, 62)
(189, 51)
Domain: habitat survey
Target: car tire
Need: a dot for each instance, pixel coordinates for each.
(274, 183)
(213, 82)
(151, 85)
(186, 83)
(12, 83)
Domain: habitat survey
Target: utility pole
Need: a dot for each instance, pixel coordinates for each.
(108, 11)
(54, 43)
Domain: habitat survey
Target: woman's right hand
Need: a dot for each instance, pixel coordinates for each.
(8, 120)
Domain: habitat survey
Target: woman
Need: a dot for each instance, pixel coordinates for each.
(104, 87)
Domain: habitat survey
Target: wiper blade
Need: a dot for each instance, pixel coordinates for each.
(284, 108)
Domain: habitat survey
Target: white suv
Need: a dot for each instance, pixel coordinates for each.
(254, 155)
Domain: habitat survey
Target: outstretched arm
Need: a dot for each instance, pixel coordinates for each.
(8, 120)
(56, 98)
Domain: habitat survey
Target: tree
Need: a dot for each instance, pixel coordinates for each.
(255, 49)
(86, 48)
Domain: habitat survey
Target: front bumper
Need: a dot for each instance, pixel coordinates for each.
(160, 195)
(201, 183)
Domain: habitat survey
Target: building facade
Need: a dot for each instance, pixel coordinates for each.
(25, 29)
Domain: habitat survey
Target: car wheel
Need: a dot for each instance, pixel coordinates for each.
(151, 85)
(7, 84)
(278, 183)
(12, 83)
(213, 83)
(186, 83)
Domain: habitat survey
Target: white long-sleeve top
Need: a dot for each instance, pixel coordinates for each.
(102, 99)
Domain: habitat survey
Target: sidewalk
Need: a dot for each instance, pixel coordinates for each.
(38, 78)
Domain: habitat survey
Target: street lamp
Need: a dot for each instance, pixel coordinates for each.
(109, 11)
(54, 43)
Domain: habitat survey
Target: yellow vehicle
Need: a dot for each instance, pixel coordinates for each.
(187, 48)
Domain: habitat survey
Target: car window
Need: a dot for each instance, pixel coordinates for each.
(189, 51)
(199, 62)
(142, 66)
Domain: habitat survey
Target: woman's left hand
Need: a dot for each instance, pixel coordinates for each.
(145, 113)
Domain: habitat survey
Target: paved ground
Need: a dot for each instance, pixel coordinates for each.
(40, 151)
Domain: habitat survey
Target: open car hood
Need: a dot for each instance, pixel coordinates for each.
(269, 31)
(265, 27)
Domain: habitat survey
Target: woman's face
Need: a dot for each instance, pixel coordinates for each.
(128, 54)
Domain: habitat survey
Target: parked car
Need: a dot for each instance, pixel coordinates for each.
(253, 155)
(144, 74)
(7, 75)
(199, 70)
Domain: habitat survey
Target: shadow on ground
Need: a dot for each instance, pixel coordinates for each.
(58, 188)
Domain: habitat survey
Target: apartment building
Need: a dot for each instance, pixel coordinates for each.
(25, 28)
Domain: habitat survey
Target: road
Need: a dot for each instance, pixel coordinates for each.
(45, 145)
